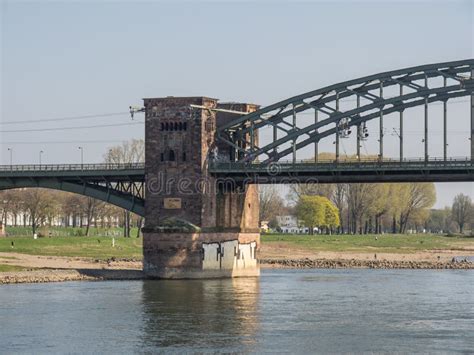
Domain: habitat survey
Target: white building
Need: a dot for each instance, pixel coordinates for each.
(290, 224)
(287, 221)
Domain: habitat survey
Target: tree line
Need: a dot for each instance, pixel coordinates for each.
(43, 207)
(373, 207)
(38, 207)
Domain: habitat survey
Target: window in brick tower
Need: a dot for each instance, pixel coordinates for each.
(171, 155)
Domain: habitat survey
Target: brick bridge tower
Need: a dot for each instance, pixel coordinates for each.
(195, 226)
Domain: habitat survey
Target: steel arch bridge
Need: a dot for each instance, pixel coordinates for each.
(370, 98)
(119, 184)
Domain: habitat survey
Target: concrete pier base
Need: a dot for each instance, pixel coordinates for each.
(201, 255)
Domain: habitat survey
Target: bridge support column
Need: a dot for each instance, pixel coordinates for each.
(196, 226)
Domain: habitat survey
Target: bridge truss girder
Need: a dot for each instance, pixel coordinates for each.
(417, 86)
(128, 195)
(349, 172)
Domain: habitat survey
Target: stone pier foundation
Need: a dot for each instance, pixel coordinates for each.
(201, 255)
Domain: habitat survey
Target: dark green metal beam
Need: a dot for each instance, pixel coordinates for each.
(117, 184)
(346, 172)
(369, 88)
(126, 201)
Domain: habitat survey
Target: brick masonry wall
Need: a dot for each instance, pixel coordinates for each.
(224, 217)
(204, 206)
(164, 176)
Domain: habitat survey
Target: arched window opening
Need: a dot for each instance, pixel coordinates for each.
(180, 126)
(166, 126)
(184, 156)
(162, 126)
(185, 126)
(171, 155)
(176, 126)
(162, 157)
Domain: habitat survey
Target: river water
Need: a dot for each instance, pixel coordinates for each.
(297, 311)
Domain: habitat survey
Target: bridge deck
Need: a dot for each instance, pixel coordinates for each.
(90, 172)
(409, 170)
(414, 170)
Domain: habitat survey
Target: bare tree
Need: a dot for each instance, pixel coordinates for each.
(37, 202)
(414, 198)
(89, 207)
(461, 210)
(129, 152)
(271, 203)
(132, 151)
(313, 189)
(339, 199)
(358, 204)
(6, 198)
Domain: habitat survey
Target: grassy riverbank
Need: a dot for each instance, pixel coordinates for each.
(388, 243)
(9, 268)
(69, 231)
(88, 247)
(131, 248)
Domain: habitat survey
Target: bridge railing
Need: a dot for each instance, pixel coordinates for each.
(342, 163)
(71, 167)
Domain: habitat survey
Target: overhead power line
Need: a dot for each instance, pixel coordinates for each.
(66, 142)
(71, 128)
(104, 115)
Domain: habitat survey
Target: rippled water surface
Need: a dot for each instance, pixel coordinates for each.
(296, 311)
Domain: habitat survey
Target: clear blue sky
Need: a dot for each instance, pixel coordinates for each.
(67, 59)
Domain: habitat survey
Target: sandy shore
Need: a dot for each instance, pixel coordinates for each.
(55, 269)
(281, 251)
(59, 275)
(64, 262)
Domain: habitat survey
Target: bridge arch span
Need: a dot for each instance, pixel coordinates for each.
(123, 200)
(371, 97)
(121, 185)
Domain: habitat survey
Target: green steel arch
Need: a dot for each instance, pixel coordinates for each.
(415, 86)
(119, 184)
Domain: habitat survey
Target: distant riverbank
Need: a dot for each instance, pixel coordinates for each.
(25, 260)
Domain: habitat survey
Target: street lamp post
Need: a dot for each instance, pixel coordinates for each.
(11, 158)
(40, 153)
(82, 156)
(109, 160)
